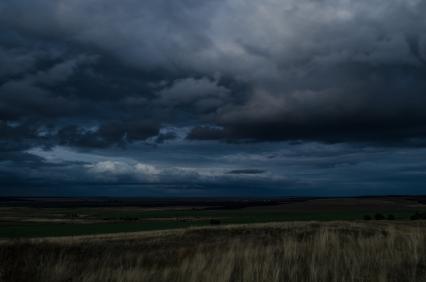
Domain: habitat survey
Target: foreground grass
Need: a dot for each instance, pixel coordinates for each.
(310, 251)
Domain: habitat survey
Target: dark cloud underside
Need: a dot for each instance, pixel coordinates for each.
(111, 75)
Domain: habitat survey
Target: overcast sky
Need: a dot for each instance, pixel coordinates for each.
(212, 98)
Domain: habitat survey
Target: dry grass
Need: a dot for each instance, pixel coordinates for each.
(335, 251)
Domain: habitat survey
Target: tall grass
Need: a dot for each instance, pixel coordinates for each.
(270, 252)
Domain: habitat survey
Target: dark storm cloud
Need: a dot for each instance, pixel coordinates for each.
(324, 70)
(103, 75)
(207, 133)
(413, 41)
(109, 134)
(17, 137)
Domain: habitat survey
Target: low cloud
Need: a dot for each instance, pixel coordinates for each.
(246, 171)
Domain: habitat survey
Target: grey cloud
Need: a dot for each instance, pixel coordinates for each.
(246, 171)
(414, 44)
(111, 26)
(15, 61)
(26, 97)
(310, 168)
(203, 94)
(162, 137)
(108, 134)
(207, 133)
(309, 68)
(104, 75)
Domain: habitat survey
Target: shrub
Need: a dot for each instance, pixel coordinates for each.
(415, 216)
(215, 221)
(367, 217)
(379, 216)
(418, 215)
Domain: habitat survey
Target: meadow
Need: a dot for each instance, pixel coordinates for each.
(311, 239)
(291, 251)
(43, 218)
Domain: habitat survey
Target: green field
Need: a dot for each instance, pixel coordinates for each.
(44, 222)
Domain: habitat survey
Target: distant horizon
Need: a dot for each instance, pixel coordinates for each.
(206, 197)
(261, 197)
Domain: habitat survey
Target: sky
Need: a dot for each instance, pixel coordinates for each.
(202, 98)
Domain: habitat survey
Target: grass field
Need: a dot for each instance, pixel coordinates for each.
(292, 251)
(285, 240)
(27, 221)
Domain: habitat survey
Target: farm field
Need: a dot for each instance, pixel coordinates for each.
(26, 218)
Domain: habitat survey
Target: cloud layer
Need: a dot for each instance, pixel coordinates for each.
(302, 69)
(104, 74)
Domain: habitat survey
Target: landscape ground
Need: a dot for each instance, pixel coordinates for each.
(310, 239)
(292, 251)
(63, 217)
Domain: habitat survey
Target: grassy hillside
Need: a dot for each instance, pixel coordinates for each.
(298, 251)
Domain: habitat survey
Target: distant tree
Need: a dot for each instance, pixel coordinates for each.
(418, 215)
(379, 216)
(391, 217)
(367, 217)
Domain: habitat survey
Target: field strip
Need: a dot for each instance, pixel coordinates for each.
(149, 234)
(153, 233)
